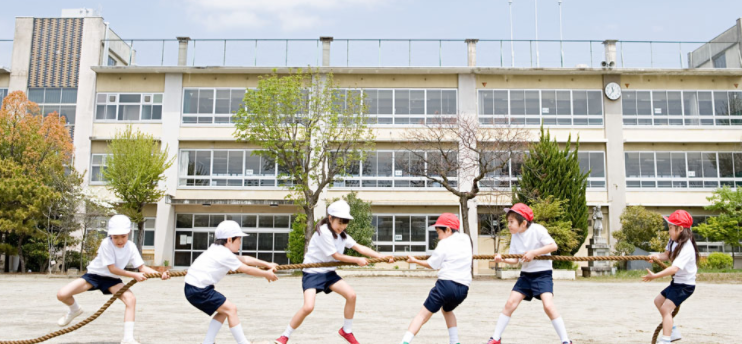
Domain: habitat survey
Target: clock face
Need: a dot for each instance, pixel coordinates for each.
(613, 91)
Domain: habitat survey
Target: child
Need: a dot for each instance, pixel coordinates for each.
(327, 245)
(114, 254)
(684, 258)
(530, 240)
(453, 259)
(210, 267)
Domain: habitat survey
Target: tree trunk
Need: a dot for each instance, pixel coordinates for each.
(309, 230)
(464, 206)
(21, 259)
(140, 239)
(82, 246)
(64, 255)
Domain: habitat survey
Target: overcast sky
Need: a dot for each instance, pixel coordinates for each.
(685, 20)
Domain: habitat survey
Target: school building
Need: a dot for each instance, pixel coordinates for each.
(659, 123)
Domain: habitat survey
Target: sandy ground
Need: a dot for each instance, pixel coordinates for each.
(594, 312)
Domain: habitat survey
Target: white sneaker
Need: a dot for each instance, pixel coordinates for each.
(675, 336)
(67, 318)
(129, 342)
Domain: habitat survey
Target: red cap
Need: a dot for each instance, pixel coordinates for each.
(680, 218)
(447, 220)
(523, 210)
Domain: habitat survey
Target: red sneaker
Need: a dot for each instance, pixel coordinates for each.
(281, 340)
(493, 341)
(349, 337)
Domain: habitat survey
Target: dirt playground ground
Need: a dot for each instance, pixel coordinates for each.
(594, 312)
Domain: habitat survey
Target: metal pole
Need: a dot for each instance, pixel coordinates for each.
(131, 50)
(500, 53)
(440, 59)
(194, 53)
(379, 53)
(561, 37)
(512, 49)
(535, 5)
(680, 54)
(622, 63)
(162, 62)
(347, 53)
(530, 45)
(651, 54)
(255, 54)
(287, 53)
(591, 54)
(224, 60)
(409, 52)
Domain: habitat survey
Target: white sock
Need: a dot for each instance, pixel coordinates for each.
(348, 326)
(560, 329)
(453, 335)
(74, 307)
(128, 330)
(665, 339)
(238, 335)
(502, 322)
(287, 332)
(214, 327)
(408, 337)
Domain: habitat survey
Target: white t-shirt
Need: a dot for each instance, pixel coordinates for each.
(452, 259)
(685, 261)
(535, 237)
(322, 246)
(211, 266)
(109, 254)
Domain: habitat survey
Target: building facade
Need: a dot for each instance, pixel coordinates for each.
(669, 140)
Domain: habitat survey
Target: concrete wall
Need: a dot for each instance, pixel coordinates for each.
(567, 82)
(396, 81)
(131, 83)
(21, 56)
(4, 80)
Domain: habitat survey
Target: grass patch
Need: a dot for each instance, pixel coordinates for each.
(704, 275)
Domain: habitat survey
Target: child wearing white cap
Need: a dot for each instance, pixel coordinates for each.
(210, 267)
(115, 253)
(328, 245)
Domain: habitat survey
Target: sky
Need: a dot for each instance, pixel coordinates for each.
(676, 20)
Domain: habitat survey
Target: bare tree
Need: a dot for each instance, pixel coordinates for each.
(458, 153)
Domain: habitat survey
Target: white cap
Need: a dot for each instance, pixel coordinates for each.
(228, 229)
(119, 225)
(339, 209)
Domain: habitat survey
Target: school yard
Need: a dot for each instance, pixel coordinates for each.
(594, 312)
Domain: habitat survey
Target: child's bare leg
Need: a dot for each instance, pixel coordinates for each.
(346, 291)
(666, 310)
(450, 318)
(129, 300)
(66, 294)
(228, 310)
(420, 319)
(659, 301)
(305, 310)
(220, 317)
(512, 304)
(549, 307)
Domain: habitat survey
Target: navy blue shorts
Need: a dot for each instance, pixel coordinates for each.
(101, 283)
(206, 299)
(678, 293)
(447, 295)
(321, 281)
(533, 284)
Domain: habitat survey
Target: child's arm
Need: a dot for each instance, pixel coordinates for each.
(147, 270)
(511, 261)
(528, 256)
(121, 272)
(257, 262)
(413, 260)
(368, 252)
(268, 274)
(662, 256)
(348, 259)
(667, 272)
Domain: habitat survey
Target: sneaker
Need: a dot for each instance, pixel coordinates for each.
(570, 342)
(67, 318)
(281, 340)
(129, 342)
(493, 341)
(660, 341)
(349, 337)
(675, 336)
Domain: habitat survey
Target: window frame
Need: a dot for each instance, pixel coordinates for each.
(118, 104)
(637, 183)
(683, 120)
(213, 115)
(535, 121)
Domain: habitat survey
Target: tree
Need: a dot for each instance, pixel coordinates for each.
(136, 166)
(60, 215)
(725, 227)
(34, 150)
(551, 171)
(310, 127)
(361, 228)
(640, 228)
(297, 242)
(96, 210)
(458, 154)
(549, 212)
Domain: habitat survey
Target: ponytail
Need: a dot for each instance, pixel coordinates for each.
(685, 236)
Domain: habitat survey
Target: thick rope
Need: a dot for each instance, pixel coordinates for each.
(131, 283)
(659, 327)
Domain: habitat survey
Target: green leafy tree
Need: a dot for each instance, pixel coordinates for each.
(311, 128)
(136, 167)
(725, 227)
(640, 228)
(551, 171)
(295, 250)
(361, 228)
(549, 212)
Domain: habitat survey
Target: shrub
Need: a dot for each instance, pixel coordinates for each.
(718, 260)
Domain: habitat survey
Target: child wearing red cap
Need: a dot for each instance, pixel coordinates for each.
(453, 260)
(684, 267)
(530, 240)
